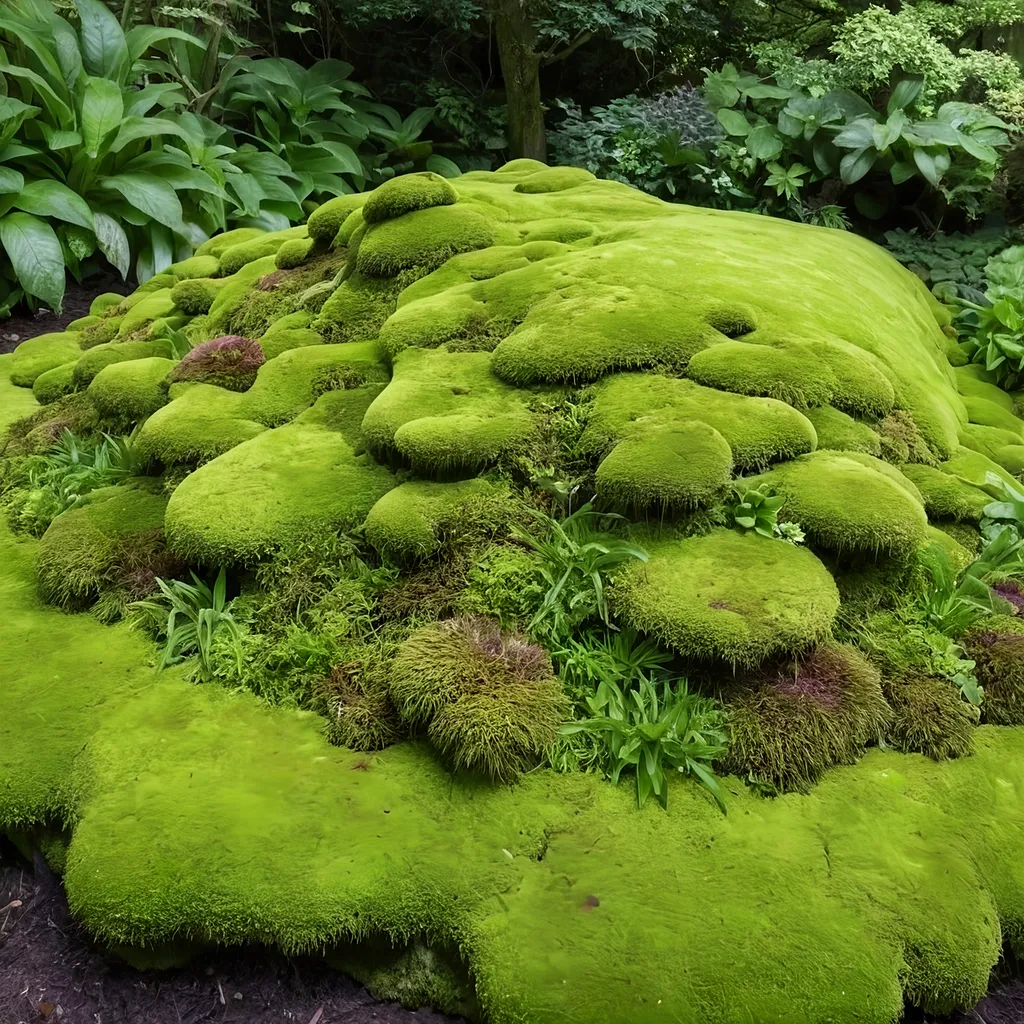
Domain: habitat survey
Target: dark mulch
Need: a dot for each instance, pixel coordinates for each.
(77, 300)
(51, 971)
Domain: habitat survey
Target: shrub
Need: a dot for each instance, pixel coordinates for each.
(487, 699)
(230, 362)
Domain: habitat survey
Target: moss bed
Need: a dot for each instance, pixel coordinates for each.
(441, 357)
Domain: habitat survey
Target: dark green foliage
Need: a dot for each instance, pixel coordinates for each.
(651, 727)
(790, 724)
(952, 265)
(929, 717)
(487, 699)
(504, 583)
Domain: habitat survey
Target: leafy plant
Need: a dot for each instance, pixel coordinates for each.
(599, 655)
(651, 727)
(758, 509)
(190, 617)
(952, 265)
(574, 558)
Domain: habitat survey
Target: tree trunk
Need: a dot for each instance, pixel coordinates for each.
(520, 68)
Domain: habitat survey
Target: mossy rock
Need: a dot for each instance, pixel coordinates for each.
(131, 390)
(728, 596)
(91, 362)
(55, 383)
(406, 193)
(34, 357)
(328, 217)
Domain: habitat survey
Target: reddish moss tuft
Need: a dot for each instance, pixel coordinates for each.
(230, 362)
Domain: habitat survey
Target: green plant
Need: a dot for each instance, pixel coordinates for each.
(952, 265)
(758, 509)
(996, 337)
(190, 617)
(651, 727)
(574, 558)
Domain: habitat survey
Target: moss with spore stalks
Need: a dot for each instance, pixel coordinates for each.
(488, 700)
(666, 470)
(230, 362)
(34, 357)
(80, 544)
(930, 717)
(997, 647)
(131, 390)
(728, 596)
(790, 725)
(354, 700)
(55, 383)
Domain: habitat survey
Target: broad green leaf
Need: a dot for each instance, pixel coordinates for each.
(143, 37)
(142, 101)
(10, 108)
(190, 178)
(979, 150)
(149, 194)
(734, 121)
(36, 257)
(134, 128)
(905, 93)
(11, 181)
(767, 91)
(67, 51)
(113, 242)
(926, 164)
(855, 165)
(58, 110)
(720, 89)
(58, 139)
(443, 166)
(104, 50)
(902, 171)
(764, 142)
(858, 134)
(414, 125)
(102, 110)
(247, 192)
(47, 198)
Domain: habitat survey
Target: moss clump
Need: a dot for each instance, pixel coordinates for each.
(997, 647)
(425, 238)
(55, 383)
(504, 584)
(849, 502)
(446, 414)
(195, 296)
(325, 220)
(101, 356)
(34, 357)
(357, 707)
(407, 193)
(671, 470)
(838, 431)
(947, 496)
(43, 427)
(217, 245)
(101, 332)
(80, 544)
(929, 717)
(230, 362)
(301, 478)
(233, 258)
(206, 265)
(294, 379)
(235, 291)
(131, 390)
(158, 305)
(488, 700)
(201, 422)
(104, 302)
(293, 253)
(728, 596)
(759, 431)
(788, 726)
(415, 519)
(553, 179)
(356, 310)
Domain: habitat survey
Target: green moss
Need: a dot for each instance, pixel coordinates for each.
(837, 431)
(196, 295)
(554, 179)
(488, 700)
(55, 383)
(206, 265)
(992, 414)
(132, 389)
(790, 726)
(104, 302)
(759, 431)
(45, 352)
(446, 413)
(356, 310)
(325, 220)
(233, 258)
(81, 323)
(930, 717)
(849, 502)
(411, 521)
(729, 596)
(155, 306)
(296, 378)
(946, 496)
(97, 358)
(234, 291)
(301, 478)
(281, 341)
(503, 584)
(99, 333)
(217, 245)
(997, 647)
(424, 238)
(293, 253)
(405, 194)
(354, 700)
(79, 544)
(670, 470)
(202, 422)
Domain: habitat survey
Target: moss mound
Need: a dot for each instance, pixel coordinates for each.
(131, 390)
(997, 647)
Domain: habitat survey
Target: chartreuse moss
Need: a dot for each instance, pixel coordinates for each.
(133, 389)
(206, 265)
(201, 422)
(947, 496)
(233, 258)
(728, 596)
(95, 359)
(195, 295)
(155, 306)
(758, 431)
(997, 646)
(325, 220)
(55, 383)
(294, 379)
(217, 245)
(407, 193)
(446, 413)
(838, 431)
(79, 543)
(46, 352)
(303, 478)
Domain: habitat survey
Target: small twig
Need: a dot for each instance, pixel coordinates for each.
(315, 1019)
(223, 1001)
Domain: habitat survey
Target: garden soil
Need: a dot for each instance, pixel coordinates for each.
(51, 971)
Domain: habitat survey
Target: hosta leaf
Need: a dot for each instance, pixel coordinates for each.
(734, 121)
(35, 255)
(104, 50)
(148, 194)
(443, 166)
(11, 181)
(47, 198)
(102, 111)
(133, 128)
(113, 242)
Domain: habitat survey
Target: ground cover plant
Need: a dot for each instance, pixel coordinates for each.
(442, 533)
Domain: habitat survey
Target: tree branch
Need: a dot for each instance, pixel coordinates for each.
(550, 57)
